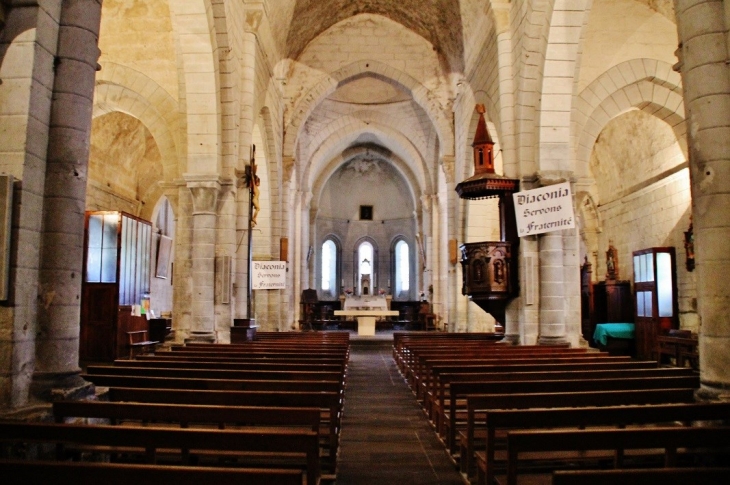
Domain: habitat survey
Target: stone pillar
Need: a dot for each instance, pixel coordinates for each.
(57, 344)
(552, 291)
(703, 54)
(204, 190)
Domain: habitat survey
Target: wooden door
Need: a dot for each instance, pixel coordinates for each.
(655, 296)
(98, 322)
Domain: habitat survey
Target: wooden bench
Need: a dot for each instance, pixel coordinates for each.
(682, 348)
(444, 380)
(137, 342)
(88, 473)
(328, 402)
(185, 415)
(457, 402)
(496, 421)
(478, 405)
(708, 440)
(241, 365)
(643, 476)
(438, 388)
(179, 445)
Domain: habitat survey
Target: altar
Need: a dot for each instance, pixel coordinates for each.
(366, 309)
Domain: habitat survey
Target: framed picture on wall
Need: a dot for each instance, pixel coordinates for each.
(163, 257)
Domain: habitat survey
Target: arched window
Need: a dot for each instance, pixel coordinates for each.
(402, 268)
(365, 267)
(329, 267)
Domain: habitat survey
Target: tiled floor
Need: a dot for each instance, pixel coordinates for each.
(386, 438)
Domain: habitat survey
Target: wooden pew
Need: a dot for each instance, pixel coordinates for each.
(184, 415)
(437, 387)
(708, 439)
(152, 382)
(481, 403)
(442, 400)
(226, 361)
(643, 476)
(460, 390)
(269, 375)
(89, 473)
(328, 401)
(422, 374)
(496, 421)
(188, 442)
(228, 364)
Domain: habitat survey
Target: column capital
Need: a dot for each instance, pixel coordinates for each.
(254, 15)
(552, 177)
(204, 189)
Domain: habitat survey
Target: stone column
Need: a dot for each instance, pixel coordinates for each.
(204, 190)
(703, 54)
(552, 291)
(57, 344)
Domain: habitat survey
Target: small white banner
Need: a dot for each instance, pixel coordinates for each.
(268, 275)
(545, 209)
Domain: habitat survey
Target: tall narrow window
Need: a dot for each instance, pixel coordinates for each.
(365, 265)
(329, 267)
(402, 268)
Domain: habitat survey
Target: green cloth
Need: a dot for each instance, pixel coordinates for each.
(614, 330)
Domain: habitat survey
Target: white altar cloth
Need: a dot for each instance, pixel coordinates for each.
(366, 318)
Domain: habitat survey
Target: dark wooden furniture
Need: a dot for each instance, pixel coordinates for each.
(655, 293)
(678, 347)
(159, 329)
(612, 303)
(243, 330)
(587, 324)
(116, 275)
(643, 476)
(711, 440)
(138, 342)
(90, 473)
(152, 441)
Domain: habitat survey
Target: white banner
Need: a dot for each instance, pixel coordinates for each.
(545, 209)
(268, 275)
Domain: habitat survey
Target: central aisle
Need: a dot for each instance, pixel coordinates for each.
(385, 437)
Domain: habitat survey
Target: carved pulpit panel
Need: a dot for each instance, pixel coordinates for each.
(487, 269)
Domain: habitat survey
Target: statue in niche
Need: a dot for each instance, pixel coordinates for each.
(499, 272)
(611, 263)
(478, 271)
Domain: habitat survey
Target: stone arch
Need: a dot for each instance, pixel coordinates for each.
(345, 131)
(333, 157)
(652, 87)
(200, 70)
(389, 157)
(559, 69)
(331, 82)
(149, 103)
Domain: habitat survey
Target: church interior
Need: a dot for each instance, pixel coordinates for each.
(162, 158)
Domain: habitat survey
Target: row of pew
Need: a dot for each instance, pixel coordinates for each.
(539, 414)
(266, 411)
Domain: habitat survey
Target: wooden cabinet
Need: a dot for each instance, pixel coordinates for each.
(612, 303)
(655, 293)
(116, 275)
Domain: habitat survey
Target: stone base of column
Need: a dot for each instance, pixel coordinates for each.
(47, 386)
(510, 339)
(713, 392)
(200, 338)
(552, 341)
